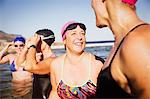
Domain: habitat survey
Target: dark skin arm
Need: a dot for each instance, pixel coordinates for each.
(135, 62)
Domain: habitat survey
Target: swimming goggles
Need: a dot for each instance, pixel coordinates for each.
(48, 37)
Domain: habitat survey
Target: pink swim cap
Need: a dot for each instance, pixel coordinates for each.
(131, 2)
(63, 33)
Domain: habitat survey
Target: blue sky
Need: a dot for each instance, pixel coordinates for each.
(25, 17)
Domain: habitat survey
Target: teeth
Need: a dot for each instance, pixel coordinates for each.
(78, 43)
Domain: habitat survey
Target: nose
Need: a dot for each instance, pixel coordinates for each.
(80, 36)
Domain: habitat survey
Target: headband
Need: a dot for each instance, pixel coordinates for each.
(48, 37)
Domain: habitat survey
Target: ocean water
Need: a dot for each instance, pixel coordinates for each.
(5, 74)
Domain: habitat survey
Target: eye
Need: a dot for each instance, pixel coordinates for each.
(73, 33)
(21, 45)
(83, 33)
(16, 45)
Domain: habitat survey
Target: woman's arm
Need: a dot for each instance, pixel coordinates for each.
(32, 65)
(53, 94)
(135, 64)
(42, 67)
(5, 58)
(22, 56)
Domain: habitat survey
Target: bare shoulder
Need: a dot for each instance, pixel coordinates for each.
(56, 62)
(96, 62)
(56, 67)
(57, 59)
(134, 59)
(137, 44)
(96, 67)
(136, 47)
(97, 59)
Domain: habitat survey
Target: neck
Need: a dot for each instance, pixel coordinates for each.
(73, 57)
(123, 22)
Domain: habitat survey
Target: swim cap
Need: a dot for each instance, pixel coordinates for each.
(131, 2)
(46, 35)
(63, 32)
(20, 38)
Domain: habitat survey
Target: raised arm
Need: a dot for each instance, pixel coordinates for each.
(3, 57)
(42, 67)
(22, 56)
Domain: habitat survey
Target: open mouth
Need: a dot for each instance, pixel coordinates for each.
(78, 43)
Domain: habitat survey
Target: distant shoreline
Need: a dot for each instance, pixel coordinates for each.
(60, 45)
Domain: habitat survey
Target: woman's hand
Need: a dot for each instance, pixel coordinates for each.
(9, 44)
(33, 40)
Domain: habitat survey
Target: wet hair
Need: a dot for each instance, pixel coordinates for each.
(20, 38)
(48, 36)
(73, 26)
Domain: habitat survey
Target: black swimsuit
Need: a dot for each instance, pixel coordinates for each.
(107, 87)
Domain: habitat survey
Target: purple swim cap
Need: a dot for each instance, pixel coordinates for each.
(63, 33)
(20, 38)
(131, 2)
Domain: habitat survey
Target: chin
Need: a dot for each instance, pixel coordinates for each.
(78, 50)
(100, 23)
(101, 26)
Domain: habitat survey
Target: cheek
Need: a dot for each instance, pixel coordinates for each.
(69, 42)
(69, 39)
(84, 38)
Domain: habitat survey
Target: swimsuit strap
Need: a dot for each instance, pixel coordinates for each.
(124, 38)
(89, 66)
(62, 77)
(12, 66)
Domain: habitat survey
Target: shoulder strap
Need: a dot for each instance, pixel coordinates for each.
(99, 58)
(90, 64)
(123, 40)
(62, 68)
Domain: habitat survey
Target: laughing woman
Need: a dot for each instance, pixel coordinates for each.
(73, 74)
